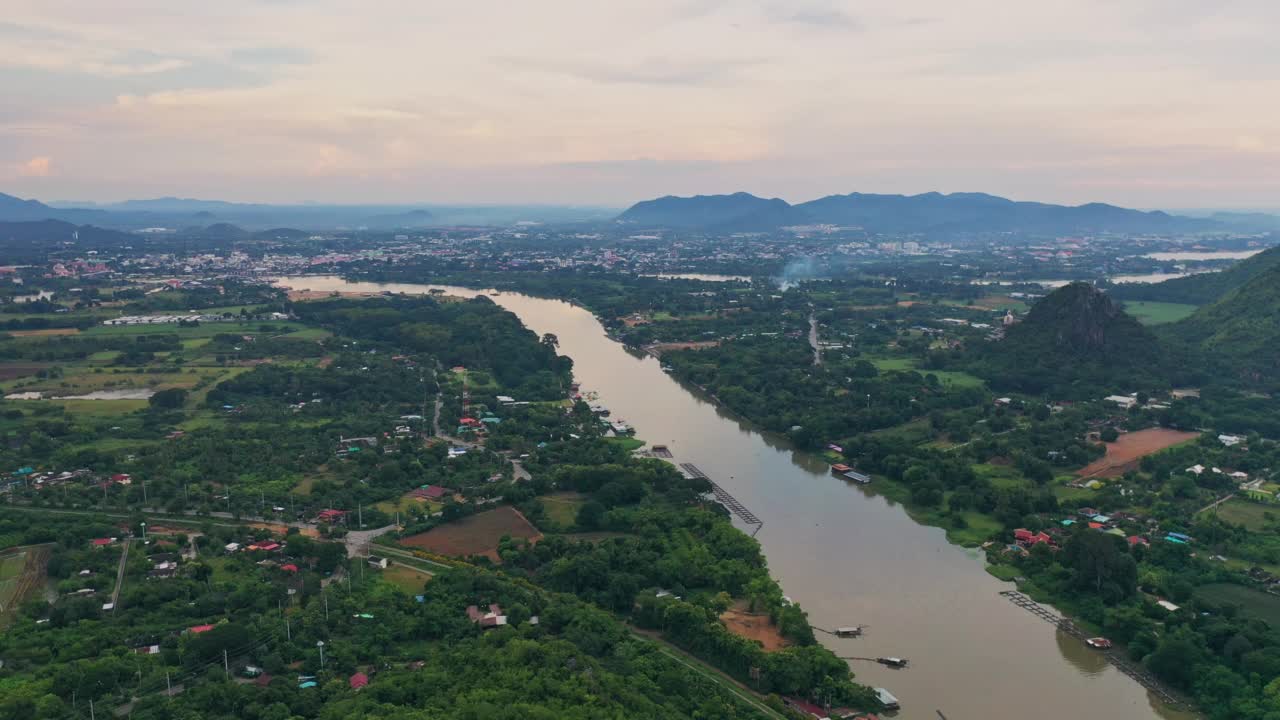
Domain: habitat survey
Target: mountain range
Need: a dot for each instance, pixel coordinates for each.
(929, 213)
(181, 213)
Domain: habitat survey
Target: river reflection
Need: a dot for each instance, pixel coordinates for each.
(846, 554)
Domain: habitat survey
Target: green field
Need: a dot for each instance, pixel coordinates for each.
(946, 377)
(1251, 515)
(406, 578)
(1158, 313)
(1253, 603)
(562, 508)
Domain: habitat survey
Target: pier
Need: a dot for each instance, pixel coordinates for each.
(1133, 670)
(725, 499)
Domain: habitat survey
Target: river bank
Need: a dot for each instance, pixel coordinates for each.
(849, 555)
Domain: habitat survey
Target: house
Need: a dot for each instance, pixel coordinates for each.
(1136, 540)
(330, 516)
(1124, 401)
(1230, 440)
(122, 479)
(197, 629)
(231, 547)
(102, 542)
(492, 618)
(358, 681)
(1168, 605)
(430, 492)
(378, 562)
(289, 568)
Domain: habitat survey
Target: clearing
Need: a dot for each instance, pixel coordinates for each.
(1158, 313)
(753, 626)
(406, 578)
(1123, 454)
(1253, 603)
(1253, 516)
(43, 333)
(562, 508)
(475, 535)
(21, 574)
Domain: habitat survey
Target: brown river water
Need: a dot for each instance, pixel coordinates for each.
(848, 556)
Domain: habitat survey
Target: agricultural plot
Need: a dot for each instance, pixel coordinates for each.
(1123, 454)
(1253, 516)
(1253, 603)
(21, 574)
(475, 535)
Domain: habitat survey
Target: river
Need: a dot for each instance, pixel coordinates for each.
(847, 555)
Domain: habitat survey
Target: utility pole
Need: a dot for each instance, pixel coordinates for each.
(144, 492)
(320, 644)
(168, 687)
(91, 715)
(325, 595)
(225, 667)
(360, 514)
(144, 533)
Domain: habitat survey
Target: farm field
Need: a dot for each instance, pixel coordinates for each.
(562, 507)
(1124, 454)
(21, 572)
(1253, 603)
(406, 578)
(475, 535)
(1251, 515)
(946, 377)
(1158, 313)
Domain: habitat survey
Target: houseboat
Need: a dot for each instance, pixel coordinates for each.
(849, 632)
(893, 662)
(887, 699)
(848, 473)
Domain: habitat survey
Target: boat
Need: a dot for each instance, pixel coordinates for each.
(1099, 643)
(848, 473)
(887, 699)
(892, 662)
(847, 632)
(661, 451)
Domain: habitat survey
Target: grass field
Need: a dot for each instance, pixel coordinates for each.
(406, 578)
(1253, 603)
(1249, 514)
(946, 377)
(1158, 313)
(562, 508)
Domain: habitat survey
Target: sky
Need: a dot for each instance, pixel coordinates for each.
(1145, 103)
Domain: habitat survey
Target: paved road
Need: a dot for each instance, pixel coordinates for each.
(358, 541)
(813, 339)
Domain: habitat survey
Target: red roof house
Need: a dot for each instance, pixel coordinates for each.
(359, 680)
(196, 630)
(101, 542)
(289, 567)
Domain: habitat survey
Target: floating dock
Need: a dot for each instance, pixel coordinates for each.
(1137, 672)
(725, 498)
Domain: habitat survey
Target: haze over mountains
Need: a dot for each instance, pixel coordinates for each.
(183, 213)
(926, 213)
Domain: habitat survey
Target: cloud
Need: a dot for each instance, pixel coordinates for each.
(271, 56)
(40, 166)
(816, 16)
(652, 71)
(122, 69)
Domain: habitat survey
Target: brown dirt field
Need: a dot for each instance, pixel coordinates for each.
(46, 331)
(9, 372)
(475, 535)
(753, 626)
(658, 348)
(1123, 454)
(283, 529)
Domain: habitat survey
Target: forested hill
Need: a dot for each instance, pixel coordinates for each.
(1203, 288)
(737, 211)
(1241, 331)
(1074, 343)
(926, 213)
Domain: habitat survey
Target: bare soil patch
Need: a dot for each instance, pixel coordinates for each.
(17, 370)
(46, 331)
(658, 348)
(477, 534)
(753, 626)
(1125, 453)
